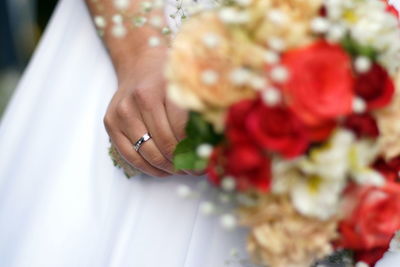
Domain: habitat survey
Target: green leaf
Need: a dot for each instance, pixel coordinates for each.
(200, 164)
(202, 130)
(198, 132)
(185, 161)
(186, 145)
(196, 126)
(356, 49)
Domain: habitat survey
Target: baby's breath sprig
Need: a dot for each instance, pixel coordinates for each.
(149, 14)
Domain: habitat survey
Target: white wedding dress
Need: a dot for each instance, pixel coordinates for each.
(62, 202)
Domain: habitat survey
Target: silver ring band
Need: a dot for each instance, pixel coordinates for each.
(146, 137)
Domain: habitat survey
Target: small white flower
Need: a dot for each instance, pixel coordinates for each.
(158, 3)
(359, 105)
(184, 191)
(279, 74)
(207, 208)
(277, 17)
(139, 21)
(369, 25)
(146, 6)
(121, 4)
(332, 162)
(243, 2)
(336, 33)
(118, 31)
(100, 21)
(117, 19)
(277, 44)
(361, 155)
(271, 57)
(362, 64)
(320, 25)
(204, 150)
(317, 197)
(156, 21)
(369, 177)
(257, 83)
(242, 17)
(228, 184)
(231, 15)
(154, 41)
(271, 97)
(211, 40)
(228, 221)
(315, 182)
(240, 76)
(361, 264)
(209, 77)
(166, 30)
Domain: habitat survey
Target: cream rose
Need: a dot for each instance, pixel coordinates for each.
(211, 66)
(389, 125)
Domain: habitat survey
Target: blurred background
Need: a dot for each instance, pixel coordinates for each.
(22, 23)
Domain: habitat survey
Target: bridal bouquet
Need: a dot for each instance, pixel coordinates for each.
(295, 106)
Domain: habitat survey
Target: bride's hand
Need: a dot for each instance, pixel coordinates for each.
(140, 106)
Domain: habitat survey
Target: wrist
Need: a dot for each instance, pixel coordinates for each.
(146, 61)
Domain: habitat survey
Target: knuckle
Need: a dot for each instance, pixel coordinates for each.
(139, 164)
(123, 109)
(107, 122)
(143, 99)
(160, 162)
(136, 162)
(168, 149)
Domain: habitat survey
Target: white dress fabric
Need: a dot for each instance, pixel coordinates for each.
(62, 202)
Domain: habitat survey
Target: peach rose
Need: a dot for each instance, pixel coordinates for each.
(281, 237)
(211, 65)
(389, 125)
(288, 20)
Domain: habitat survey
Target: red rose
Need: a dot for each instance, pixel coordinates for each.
(389, 169)
(373, 216)
(320, 87)
(391, 8)
(246, 163)
(277, 129)
(215, 166)
(363, 125)
(370, 257)
(321, 132)
(375, 87)
(236, 130)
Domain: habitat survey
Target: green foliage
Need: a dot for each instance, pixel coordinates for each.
(198, 132)
(340, 258)
(356, 49)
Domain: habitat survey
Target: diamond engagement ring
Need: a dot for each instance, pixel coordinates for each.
(141, 141)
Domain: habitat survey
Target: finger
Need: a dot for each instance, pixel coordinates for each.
(162, 135)
(124, 147)
(157, 123)
(130, 122)
(177, 118)
(135, 129)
